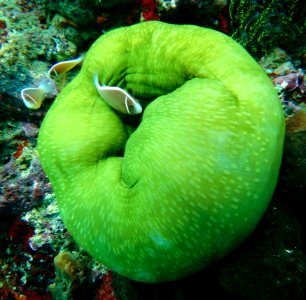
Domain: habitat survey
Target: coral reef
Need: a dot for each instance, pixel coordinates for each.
(35, 34)
(22, 180)
(23, 272)
(288, 80)
(91, 17)
(28, 246)
(77, 276)
(23, 183)
(263, 25)
(31, 230)
(70, 274)
(209, 13)
(27, 38)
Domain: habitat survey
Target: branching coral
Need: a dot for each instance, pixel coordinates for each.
(262, 25)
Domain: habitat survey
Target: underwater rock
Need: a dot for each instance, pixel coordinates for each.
(23, 274)
(272, 264)
(69, 274)
(288, 79)
(296, 123)
(23, 182)
(28, 38)
(274, 59)
(29, 243)
(209, 13)
(293, 170)
(84, 13)
(77, 276)
(81, 12)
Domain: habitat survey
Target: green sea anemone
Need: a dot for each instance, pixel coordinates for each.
(195, 176)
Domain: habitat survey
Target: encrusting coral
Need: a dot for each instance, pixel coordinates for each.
(193, 179)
